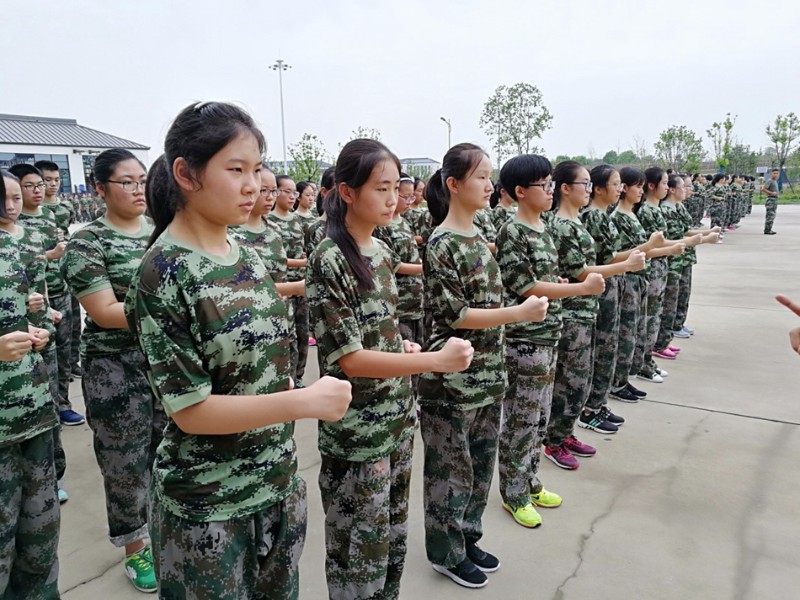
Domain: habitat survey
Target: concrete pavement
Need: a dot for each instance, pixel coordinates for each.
(693, 499)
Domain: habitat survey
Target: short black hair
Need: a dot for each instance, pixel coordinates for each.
(23, 170)
(776, 169)
(46, 165)
(523, 170)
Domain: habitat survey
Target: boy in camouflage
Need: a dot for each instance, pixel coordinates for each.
(29, 509)
(461, 411)
(770, 188)
(228, 509)
(366, 457)
(528, 262)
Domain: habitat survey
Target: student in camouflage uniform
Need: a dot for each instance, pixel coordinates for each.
(65, 216)
(126, 421)
(770, 188)
(36, 218)
(228, 509)
(717, 200)
(290, 226)
(29, 509)
(461, 412)
(698, 211)
(366, 457)
(503, 207)
(574, 369)
(529, 265)
(485, 224)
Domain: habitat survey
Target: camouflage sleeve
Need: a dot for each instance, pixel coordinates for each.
(598, 227)
(176, 373)
(446, 296)
(83, 267)
(516, 268)
(571, 260)
(335, 323)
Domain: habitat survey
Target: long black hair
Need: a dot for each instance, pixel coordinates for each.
(459, 163)
(197, 134)
(653, 176)
(353, 168)
(631, 177)
(3, 211)
(326, 182)
(565, 172)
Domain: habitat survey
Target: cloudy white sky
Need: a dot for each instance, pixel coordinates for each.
(609, 71)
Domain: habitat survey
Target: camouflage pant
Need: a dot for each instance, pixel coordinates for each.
(254, 557)
(51, 365)
(656, 285)
(77, 330)
(366, 524)
(717, 211)
(299, 345)
(30, 518)
(526, 412)
(460, 451)
(771, 205)
(411, 330)
(730, 211)
(127, 424)
(670, 310)
(606, 342)
(684, 294)
(633, 306)
(573, 378)
(63, 304)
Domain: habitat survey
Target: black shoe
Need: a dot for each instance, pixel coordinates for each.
(624, 395)
(486, 562)
(610, 417)
(75, 371)
(464, 573)
(635, 391)
(770, 232)
(593, 421)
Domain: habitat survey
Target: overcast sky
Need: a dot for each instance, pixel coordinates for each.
(609, 71)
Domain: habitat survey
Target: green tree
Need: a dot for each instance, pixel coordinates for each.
(611, 157)
(418, 171)
(514, 117)
(561, 158)
(742, 159)
(580, 158)
(782, 133)
(628, 157)
(679, 148)
(307, 154)
(721, 135)
(365, 133)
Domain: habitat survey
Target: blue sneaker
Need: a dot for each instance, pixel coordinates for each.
(62, 496)
(70, 418)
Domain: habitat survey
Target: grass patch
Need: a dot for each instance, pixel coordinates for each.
(788, 196)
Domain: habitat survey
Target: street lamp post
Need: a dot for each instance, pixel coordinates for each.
(449, 131)
(280, 66)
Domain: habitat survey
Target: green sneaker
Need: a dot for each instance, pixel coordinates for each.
(139, 569)
(546, 499)
(525, 516)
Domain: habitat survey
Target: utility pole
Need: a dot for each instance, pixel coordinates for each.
(280, 66)
(449, 131)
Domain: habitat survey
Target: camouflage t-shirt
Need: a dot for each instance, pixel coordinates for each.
(101, 257)
(461, 273)
(314, 235)
(291, 230)
(604, 233)
(306, 221)
(501, 215)
(44, 222)
(690, 254)
(400, 239)
(676, 230)
(483, 221)
(63, 214)
(345, 320)
(652, 220)
(31, 253)
(527, 256)
(214, 325)
(576, 251)
(631, 235)
(26, 408)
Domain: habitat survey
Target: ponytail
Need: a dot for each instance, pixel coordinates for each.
(162, 198)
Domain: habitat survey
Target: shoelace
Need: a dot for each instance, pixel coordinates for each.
(139, 561)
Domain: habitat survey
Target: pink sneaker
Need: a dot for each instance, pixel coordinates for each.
(562, 457)
(312, 341)
(666, 354)
(674, 349)
(578, 448)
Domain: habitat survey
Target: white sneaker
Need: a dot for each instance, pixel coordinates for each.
(663, 372)
(655, 378)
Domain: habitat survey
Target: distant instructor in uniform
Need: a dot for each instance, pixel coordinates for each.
(770, 188)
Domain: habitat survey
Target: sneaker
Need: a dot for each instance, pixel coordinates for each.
(527, 516)
(578, 448)
(593, 421)
(488, 563)
(770, 233)
(635, 391)
(464, 573)
(70, 418)
(562, 457)
(611, 417)
(681, 334)
(666, 354)
(674, 349)
(624, 395)
(663, 372)
(546, 499)
(312, 341)
(76, 371)
(63, 496)
(688, 330)
(654, 378)
(139, 569)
